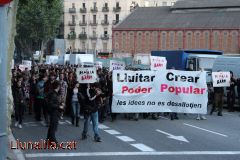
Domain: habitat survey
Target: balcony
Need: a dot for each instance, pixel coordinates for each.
(72, 23)
(94, 9)
(72, 36)
(93, 37)
(105, 22)
(105, 9)
(82, 23)
(116, 9)
(83, 10)
(93, 23)
(72, 10)
(115, 22)
(105, 37)
(82, 36)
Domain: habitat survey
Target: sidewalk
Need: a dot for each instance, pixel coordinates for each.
(14, 154)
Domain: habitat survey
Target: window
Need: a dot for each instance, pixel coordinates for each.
(73, 18)
(216, 40)
(163, 40)
(83, 5)
(94, 32)
(234, 41)
(105, 18)
(180, 40)
(124, 41)
(197, 40)
(189, 40)
(83, 30)
(164, 3)
(94, 4)
(131, 38)
(83, 45)
(105, 31)
(94, 46)
(225, 40)
(206, 40)
(94, 18)
(171, 35)
(117, 5)
(83, 18)
(117, 17)
(155, 40)
(73, 5)
(106, 5)
(139, 42)
(147, 42)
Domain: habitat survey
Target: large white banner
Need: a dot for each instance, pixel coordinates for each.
(86, 75)
(158, 63)
(51, 59)
(221, 79)
(116, 65)
(159, 91)
(27, 63)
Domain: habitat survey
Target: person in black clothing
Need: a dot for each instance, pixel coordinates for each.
(238, 90)
(231, 93)
(54, 106)
(33, 92)
(90, 110)
(110, 94)
(218, 100)
(19, 103)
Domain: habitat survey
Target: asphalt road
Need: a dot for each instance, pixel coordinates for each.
(216, 138)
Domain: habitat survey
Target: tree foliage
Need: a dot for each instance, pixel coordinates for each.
(37, 21)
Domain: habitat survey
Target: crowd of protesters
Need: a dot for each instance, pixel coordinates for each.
(51, 91)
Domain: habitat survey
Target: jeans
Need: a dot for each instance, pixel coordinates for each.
(76, 109)
(94, 119)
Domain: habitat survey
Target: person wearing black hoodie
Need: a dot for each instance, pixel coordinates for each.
(54, 107)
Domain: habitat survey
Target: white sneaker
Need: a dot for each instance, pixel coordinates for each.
(203, 118)
(81, 117)
(16, 124)
(198, 118)
(20, 126)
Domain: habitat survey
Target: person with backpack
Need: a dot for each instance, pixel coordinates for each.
(90, 110)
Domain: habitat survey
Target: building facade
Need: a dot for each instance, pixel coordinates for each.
(182, 26)
(156, 3)
(88, 23)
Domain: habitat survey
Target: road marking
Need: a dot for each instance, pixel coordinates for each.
(178, 138)
(125, 138)
(164, 117)
(102, 126)
(205, 130)
(112, 132)
(143, 147)
(94, 154)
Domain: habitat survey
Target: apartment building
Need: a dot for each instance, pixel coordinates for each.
(88, 23)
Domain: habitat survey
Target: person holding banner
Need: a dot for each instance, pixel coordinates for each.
(91, 112)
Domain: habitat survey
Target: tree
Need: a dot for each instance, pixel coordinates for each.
(37, 22)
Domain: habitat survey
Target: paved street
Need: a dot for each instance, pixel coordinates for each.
(185, 139)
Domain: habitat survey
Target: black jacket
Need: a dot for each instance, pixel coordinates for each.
(53, 102)
(18, 95)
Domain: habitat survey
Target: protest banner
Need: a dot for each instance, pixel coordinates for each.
(51, 59)
(27, 63)
(159, 91)
(86, 75)
(116, 65)
(221, 79)
(158, 63)
(98, 64)
(22, 67)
